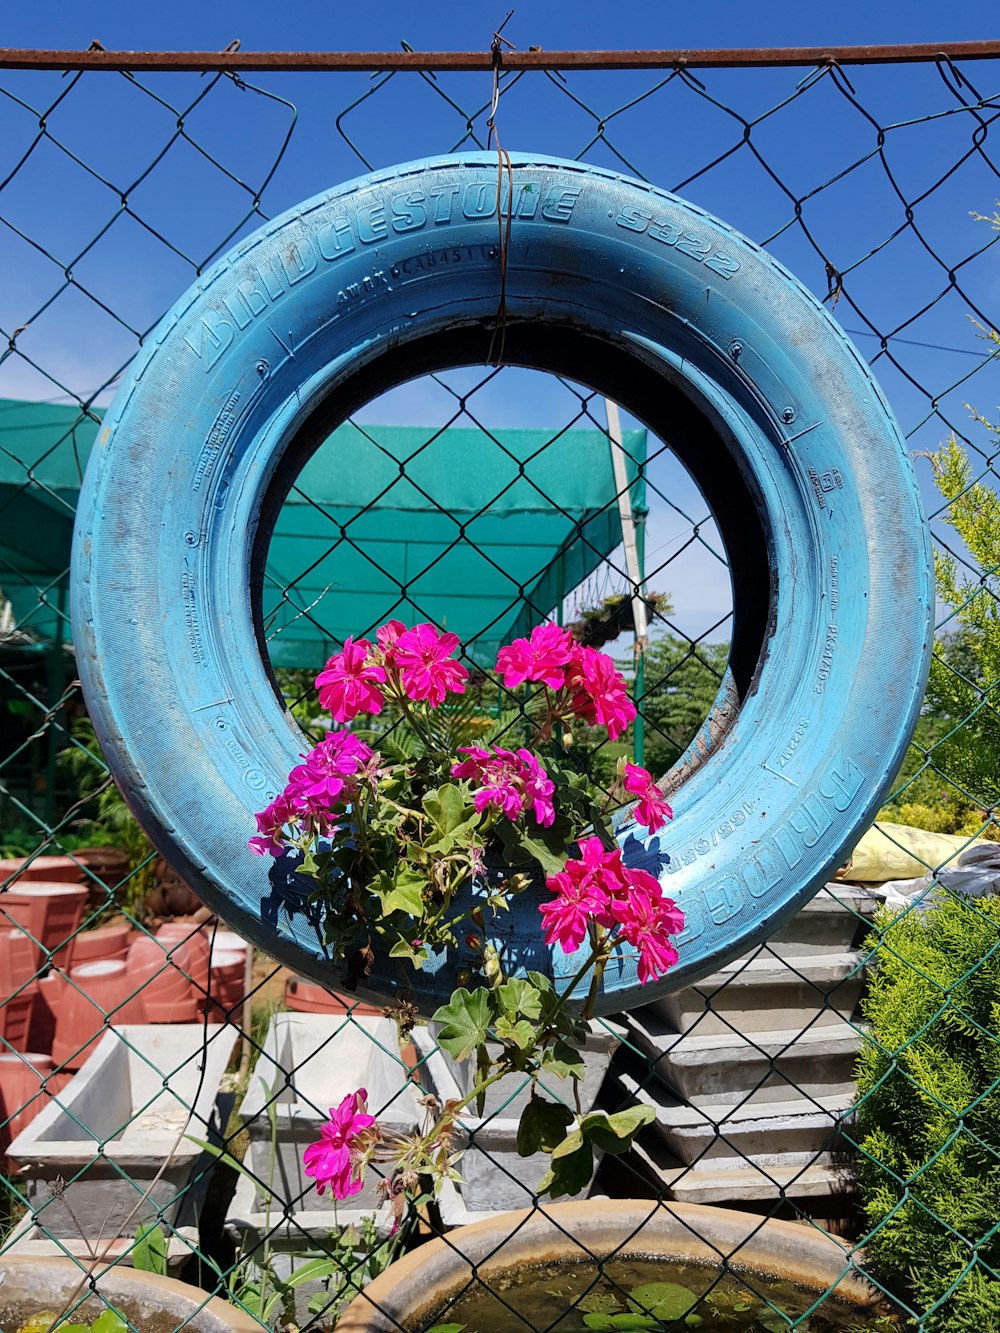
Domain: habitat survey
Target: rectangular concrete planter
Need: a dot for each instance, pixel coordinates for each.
(308, 1064)
(287, 1243)
(494, 1176)
(115, 1124)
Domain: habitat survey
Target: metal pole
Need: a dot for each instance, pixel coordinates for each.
(374, 61)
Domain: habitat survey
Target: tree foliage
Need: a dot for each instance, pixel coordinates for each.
(929, 1112)
(681, 683)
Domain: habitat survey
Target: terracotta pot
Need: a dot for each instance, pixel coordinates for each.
(54, 869)
(108, 864)
(189, 949)
(415, 1287)
(167, 993)
(47, 910)
(26, 1084)
(96, 996)
(17, 961)
(16, 1014)
(43, 1015)
(306, 997)
(91, 946)
(226, 986)
(170, 896)
(37, 1284)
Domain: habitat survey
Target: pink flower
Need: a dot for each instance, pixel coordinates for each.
(422, 657)
(508, 781)
(388, 636)
(348, 684)
(599, 692)
(327, 769)
(538, 788)
(579, 900)
(586, 889)
(543, 656)
(333, 1159)
(652, 811)
(270, 839)
(647, 920)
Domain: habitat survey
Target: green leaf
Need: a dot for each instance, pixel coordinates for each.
(614, 1133)
(563, 1060)
(464, 1021)
(110, 1321)
(520, 998)
(665, 1300)
(542, 1126)
(447, 1328)
(521, 1034)
(570, 1144)
(400, 891)
(610, 1322)
(568, 1174)
(446, 807)
(149, 1254)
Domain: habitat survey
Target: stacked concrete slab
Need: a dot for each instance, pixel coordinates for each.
(751, 1070)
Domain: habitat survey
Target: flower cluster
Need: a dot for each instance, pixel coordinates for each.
(599, 891)
(414, 663)
(587, 683)
(652, 810)
(327, 777)
(336, 1160)
(509, 781)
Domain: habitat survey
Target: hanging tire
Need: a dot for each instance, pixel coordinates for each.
(689, 325)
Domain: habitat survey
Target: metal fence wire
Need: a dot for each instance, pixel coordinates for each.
(158, 1080)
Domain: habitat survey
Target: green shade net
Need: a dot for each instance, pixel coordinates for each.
(480, 532)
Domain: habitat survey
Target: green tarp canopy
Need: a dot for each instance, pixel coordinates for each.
(481, 532)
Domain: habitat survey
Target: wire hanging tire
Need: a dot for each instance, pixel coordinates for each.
(626, 288)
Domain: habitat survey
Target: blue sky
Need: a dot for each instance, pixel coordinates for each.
(116, 130)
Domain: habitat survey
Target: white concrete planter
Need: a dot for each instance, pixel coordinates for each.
(128, 1110)
(287, 1243)
(494, 1176)
(309, 1064)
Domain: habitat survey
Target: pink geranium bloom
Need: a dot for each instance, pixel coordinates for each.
(508, 781)
(423, 659)
(388, 636)
(332, 1161)
(579, 900)
(270, 839)
(328, 768)
(652, 810)
(348, 684)
(646, 920)
(538, 788)
(543, 656)
(599, 695)
(586, 889)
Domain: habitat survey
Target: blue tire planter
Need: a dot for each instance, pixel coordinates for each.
(624, 287)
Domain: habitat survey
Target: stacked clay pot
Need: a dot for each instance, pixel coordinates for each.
(19, 988)
(306, 997)
(93, 998)
(26, 1083)
(50, 911)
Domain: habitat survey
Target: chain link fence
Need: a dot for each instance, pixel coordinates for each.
(158, 1080)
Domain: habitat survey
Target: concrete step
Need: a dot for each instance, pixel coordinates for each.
(823, 1176)
(765, 1067)
(766, 992)
(829, 923)
(717, 1135)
